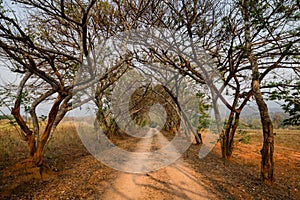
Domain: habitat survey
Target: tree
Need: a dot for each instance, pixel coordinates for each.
(48, 50)
(254, 15)
(267, 166)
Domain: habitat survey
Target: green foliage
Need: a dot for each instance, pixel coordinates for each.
(291, 103)
(245, 137)
(204, 118)
(25, 100)
(242, 132)
(9, 117)
(43, 118)
(6, 102)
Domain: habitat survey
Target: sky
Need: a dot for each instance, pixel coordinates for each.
(6, 75)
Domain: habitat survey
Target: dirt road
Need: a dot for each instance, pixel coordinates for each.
(177, 181)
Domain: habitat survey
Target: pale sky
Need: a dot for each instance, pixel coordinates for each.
(6, 76)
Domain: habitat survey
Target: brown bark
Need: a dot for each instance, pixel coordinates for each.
(31, 142)
(233, 130)
(267, 151)
(228, 135)
(38, 155)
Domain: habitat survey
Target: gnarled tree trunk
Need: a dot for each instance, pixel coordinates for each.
(36, 148)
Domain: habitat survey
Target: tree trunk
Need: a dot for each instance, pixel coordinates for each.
(36, 149)
(228, 135)
(100, 122)
(31, 145)
(233, 130)
(267, 162)
(226, 151)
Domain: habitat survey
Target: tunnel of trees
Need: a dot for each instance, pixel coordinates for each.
(252, 47)
(146, 97)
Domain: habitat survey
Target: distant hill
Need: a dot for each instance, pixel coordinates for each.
(250, 116)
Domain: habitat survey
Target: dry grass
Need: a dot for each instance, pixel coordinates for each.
(66, 152)
(64, 142)
(283, 138)
(12, 148)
